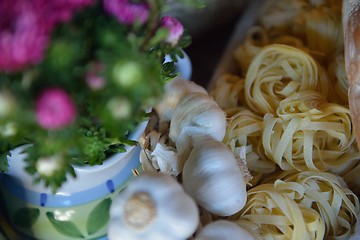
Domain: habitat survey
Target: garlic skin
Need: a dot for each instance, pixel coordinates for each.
(158, 153)
(211, 175)
(224, 230)
(162, 158)
(153, 206)
(174, 91)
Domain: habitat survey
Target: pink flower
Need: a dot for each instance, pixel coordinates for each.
(175, 28)
(25, 29)
(127, 12)
(93, 78)
(56, 11)
(54, 109)
(95, 82)
(23, 37)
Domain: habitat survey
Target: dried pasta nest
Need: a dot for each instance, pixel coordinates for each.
(305, 205)
(271, 213)
(308, 134)
(232, 86)
(326, 193)
(278, 71)
(243, 133)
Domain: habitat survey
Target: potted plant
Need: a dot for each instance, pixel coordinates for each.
(77, 78)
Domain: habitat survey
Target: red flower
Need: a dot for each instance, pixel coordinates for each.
(93, 78)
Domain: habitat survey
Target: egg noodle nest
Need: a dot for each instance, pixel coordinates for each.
(288, 106)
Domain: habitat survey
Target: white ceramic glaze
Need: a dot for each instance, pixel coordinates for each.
(85, 174)
(183, 66)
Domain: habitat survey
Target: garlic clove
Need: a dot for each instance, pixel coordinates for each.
(224, 230)
(185, 141)
(213, 178)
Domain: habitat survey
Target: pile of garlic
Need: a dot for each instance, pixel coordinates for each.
(191, 181)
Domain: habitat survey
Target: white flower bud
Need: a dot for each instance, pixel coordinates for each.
(47, 166)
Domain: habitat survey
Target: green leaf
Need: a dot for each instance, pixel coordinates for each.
(160, 35)
(98, 217)
(26, 217)
(66, 228)
(4, 164)
(185, 41)
(129, 142)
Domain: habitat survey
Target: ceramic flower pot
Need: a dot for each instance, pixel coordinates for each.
(80, 208)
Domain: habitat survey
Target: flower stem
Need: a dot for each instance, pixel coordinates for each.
(153, 23)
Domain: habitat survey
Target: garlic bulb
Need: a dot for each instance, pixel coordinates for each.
(196, 114)
(224, 230)
(174, 91)
(211, 175)
(153, 206)
(198, 110)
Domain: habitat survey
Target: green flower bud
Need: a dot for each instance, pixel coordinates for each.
(65, 54)
(6, 104)
(127, 74)
(119, 108)
(8, 129)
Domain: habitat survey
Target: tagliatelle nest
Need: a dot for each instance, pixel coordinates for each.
(276, 72)
(273, 214)
(326, 193)
(307, 205)
(243, 134)
(295, 123)
(307, 134)
(231, 86)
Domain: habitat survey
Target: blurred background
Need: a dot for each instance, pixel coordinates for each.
(211, 28)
